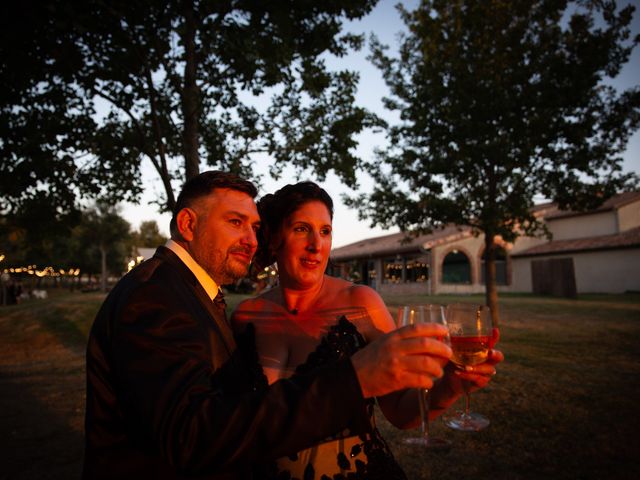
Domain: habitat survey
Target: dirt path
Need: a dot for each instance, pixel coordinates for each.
(41, 403)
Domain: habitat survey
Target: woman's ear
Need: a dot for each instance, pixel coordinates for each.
(186, 221)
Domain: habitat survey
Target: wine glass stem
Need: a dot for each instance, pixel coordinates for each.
(423, 397)
(467, 398)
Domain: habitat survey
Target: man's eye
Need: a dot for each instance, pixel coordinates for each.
(300, 229)
(235, 221)
(326, 231)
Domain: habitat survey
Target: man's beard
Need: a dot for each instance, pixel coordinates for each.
(228, 268)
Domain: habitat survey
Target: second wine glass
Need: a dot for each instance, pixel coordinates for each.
(470, 330)
(410, 315)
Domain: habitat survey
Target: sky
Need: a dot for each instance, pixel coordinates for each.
(385, 22)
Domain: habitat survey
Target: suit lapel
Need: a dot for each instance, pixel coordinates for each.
(217, 315)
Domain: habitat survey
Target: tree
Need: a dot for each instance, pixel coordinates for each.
(500, 102)
(102, 241)
(148, 235)
(34, 236)
(90, 89)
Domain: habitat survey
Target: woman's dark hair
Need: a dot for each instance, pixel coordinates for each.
(202, 185)
(274, 208)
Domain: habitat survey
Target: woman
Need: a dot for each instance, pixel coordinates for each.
(310, 319)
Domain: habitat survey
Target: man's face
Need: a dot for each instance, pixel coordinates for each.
(224, 235)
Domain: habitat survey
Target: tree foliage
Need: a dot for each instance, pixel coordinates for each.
(500, 102)
(148, 235)
(102, 241)
(35, 237)
(94, 240)
(91, 89)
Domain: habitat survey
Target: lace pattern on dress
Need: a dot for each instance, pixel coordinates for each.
(341, 341)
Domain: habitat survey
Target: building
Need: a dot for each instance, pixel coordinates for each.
(594, 251)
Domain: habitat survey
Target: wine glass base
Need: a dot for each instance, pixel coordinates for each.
(431, 443)
(472, 422)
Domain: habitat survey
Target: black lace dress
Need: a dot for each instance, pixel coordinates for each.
(340, 458)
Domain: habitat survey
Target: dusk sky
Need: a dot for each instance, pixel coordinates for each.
(385, 22)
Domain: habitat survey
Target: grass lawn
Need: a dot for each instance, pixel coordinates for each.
(564, 405)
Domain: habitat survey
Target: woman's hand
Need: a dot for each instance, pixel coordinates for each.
(478, 376)
(451, 387)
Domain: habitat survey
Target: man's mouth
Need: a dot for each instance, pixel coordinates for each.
(243, 254)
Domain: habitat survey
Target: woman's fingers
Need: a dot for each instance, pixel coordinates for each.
(480, 375)
(409, 357)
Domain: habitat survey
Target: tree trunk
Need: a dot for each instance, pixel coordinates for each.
(103, 268)
(190, 93)
(491, 291)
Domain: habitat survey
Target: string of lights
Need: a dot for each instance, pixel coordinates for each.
(40, 272)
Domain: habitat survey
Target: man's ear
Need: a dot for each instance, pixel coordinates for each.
(186, 221)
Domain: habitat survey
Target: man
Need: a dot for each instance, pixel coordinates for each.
(167, 395)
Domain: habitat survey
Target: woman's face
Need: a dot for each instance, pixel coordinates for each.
(303, 246)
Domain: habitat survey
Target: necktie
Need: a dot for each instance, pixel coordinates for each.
(219, 303)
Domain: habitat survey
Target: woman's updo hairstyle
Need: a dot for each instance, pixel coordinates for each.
(275, 208)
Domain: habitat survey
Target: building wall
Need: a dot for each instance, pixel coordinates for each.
(605, 271)
(629, 216)
(405, 288)
(583, 226)
(521, 275)
(611, 271)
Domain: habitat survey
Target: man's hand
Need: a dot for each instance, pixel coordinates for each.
(409, 357)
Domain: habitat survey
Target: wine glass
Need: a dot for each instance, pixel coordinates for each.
(470, 333)
(409, 315)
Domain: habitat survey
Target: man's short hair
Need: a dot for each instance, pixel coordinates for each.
(202, 186)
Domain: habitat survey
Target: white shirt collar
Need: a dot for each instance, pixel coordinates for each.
(209, 285)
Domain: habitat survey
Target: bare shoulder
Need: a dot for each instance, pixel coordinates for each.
(364, 295)
(246, 311)
(368, 310)
(335, 284)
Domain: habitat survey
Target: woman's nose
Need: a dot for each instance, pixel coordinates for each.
(312, 241)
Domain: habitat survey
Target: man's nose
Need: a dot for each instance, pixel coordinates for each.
(250, 238)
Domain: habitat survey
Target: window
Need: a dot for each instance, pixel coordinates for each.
(456, 268)
(392, 268)
(417, 270)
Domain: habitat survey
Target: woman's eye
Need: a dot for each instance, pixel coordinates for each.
(300, 229)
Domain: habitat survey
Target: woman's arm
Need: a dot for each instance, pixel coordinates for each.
(400, 408)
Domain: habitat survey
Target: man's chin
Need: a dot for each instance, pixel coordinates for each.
(234, 272)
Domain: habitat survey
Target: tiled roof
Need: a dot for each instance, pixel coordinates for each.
(628, 239)
(395, 243)
(613, 203)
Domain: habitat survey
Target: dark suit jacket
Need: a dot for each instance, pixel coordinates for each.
(162, 388)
